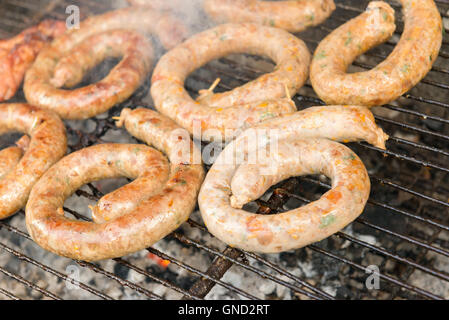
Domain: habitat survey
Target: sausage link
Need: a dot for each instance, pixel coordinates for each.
(136, 51)
(137, 54)
(11, 156)
(47, 145)
(294, 16)
(123, 227)
(222, 115)
(160, 4)
(410, 61)
(280, 148)
(18, 53)
(69, 57)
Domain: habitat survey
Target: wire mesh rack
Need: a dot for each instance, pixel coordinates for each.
(403, 233)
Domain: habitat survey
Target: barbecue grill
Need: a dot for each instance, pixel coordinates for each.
(402, 237)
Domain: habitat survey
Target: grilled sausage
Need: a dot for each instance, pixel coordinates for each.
(47, 145)
(284, 147)
(11, 156)
(73, 54)
(409, 62)
(159, 4)
(18, 53)
(221, 116)
(133, 217)
(294, 16)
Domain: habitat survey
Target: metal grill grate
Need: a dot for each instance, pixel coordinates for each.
(404, 229)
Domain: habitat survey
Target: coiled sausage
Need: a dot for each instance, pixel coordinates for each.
(221, 116)
(18, 53)
(133, 217)
(280, 148)
(71, 55)
(47, 145)
(410, 61)
(294, 16)
(11, 156)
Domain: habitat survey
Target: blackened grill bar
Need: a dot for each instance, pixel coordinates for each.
(428, 215)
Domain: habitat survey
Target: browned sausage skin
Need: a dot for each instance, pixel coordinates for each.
(277, 149)
(410, 61)
(73, 54)
(123, 226)
(18, 53)
(221, 116)
(159, 4)
(294, 16)
(11, 156)
(47, 145)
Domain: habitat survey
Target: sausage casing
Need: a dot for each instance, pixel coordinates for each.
(294, 16)
(410, 61)
(47, 145)
(58, 63)
(18, 53)
(280, 148)
(221, 116)
(155, 213)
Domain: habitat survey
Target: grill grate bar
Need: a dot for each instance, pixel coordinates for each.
(60, 275)
(271, 266)
(89, 139)
(412, 128)
(404, 285)
(216, 270)
(261, 273)
(86, 264)
(166, 257)
(165, 283)
(171, 259)
(388, 152)
(385, 252)
(404, 157)
(406, 238)
(436, 273)
(29, 284)
(408, 214)
(283, 200)
(393, 209)
(417, 194)
(95, 268)
(9, 294)
(417, 114)
(29, 5)
(425, 100)
(97, 195)
(420, 291)
(300, 98)
(420, 146)
(122, 282)
(419, 243)
(253, 72)
(200, 273)
(420, 257)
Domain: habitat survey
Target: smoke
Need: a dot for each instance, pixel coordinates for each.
(190, 12)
